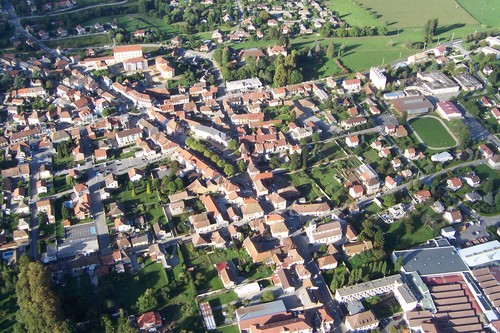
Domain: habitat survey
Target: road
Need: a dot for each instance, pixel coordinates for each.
(14, 20)
(69, 10)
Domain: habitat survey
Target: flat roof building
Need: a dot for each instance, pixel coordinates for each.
(481, 254)
(80, 239)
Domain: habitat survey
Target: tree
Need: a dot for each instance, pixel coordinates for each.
(148, 188)
(146, 302)
(133, 192)
(242, 166)
(390, 200)
(232, 144)
(39, 308)
(267, 296)
(229, 170)
(316, 137)
(280, 76)
(330, 50)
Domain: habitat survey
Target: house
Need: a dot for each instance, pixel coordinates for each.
(326, 233)
(410, 153)
(327, 262)
(127, 137)
(252, 209)
(352, 85)
(41, 186)
(472, 180)
(149, 321)
(423, 196)
(226, 274)
(302, 272)
(485, 151)
(352, 141)
(390, 183)
(155, 252)
(472, 197)
(278, 202)
(111, 182)
(21, 237)
(454, 183)
(454, 216)
(361, 322)
(282, 278)
(100, 155)
(356, 191)
(122, 225)
(312, 209)
(352, 249)
(135, 175)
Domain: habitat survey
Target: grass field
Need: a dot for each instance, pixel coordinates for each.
(133, 22)
(150, 202)
(432, 132)
(354, 14)
(228, 329)
(397, 238)
(484, 11)
(410, 13)
(80, 42)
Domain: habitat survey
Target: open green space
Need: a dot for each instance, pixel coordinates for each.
(325, 176)
(432, 132)
(203, 268)
(228, 329)
(398, 237)
(485, 172)
(8, 308)
(137, 201)
(410, 13)
(133, 22)
(354, 14)
(93, 40)
(484, 11)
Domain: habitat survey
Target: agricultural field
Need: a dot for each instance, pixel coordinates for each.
(410, 13)
(432, 132)
(354, 14)
(484, 11)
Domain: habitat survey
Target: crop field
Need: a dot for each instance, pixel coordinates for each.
(432, 132)
(411, 13)
(485, 11)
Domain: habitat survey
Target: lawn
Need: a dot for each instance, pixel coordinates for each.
(432, 132)
(354, 14)
(484, 11)
(325, 176)
(396, 237)
(218, 299)
(201, 264)
(318, 69)
(152, 276)
(485, 172)
(142, 201)
(410, 13)
(8, 308)
(228, 329)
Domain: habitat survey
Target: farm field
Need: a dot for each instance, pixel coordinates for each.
(484, 11)
(354, 14)
(432, 132)
(410, 13)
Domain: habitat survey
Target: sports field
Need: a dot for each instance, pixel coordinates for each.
(412, 13)
(432, 132)
(485, 11)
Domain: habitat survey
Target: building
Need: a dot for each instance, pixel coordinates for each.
(243, 85)
(326, 233)
(352, 85)
(211, 134)
(361, 322)
(437, 83)
(448, 110)
(125, 52)
(467, 82)
(127, 137)
(78, 240)
(135, 64)
(149, 321)
(378, 78)
(258, 314)
(440, 260)
(394, 283)
(413, 105)
(481, 254)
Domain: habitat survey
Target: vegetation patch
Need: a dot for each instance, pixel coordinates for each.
(432, 132)
(484, 11)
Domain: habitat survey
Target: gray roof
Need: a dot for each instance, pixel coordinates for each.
(432, 261)
(78, 239)
(259, 310)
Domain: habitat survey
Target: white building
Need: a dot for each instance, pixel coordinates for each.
(325, 233)
(211, 134)
(378, 78)
(243, 85)
(121, 53)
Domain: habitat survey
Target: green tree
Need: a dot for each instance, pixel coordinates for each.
(39, 308)
(330, 50)
(146, 302)
(148, 188)
(232, 144)
(280, 76)
(267, 296)
(229, 170)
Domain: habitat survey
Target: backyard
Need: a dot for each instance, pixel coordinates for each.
(432, 132)
(136, 198)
